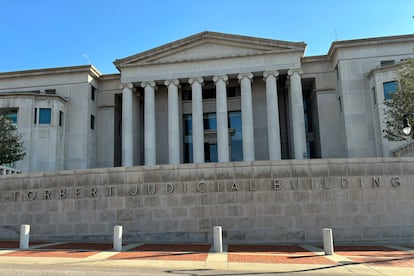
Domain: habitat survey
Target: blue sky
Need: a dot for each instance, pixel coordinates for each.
(52, 33)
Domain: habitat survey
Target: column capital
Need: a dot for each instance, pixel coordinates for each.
(295, 70)
(129, 85)
(274, 73)
(245, 75)
(225, 78)
(174, 82)
(148, 83)
(194, 80)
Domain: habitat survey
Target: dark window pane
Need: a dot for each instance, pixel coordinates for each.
(389, 89)
(187, 95)
(92, 122)
(45, 115)
(93, 93)
(60, 118)
(12, 115)
(210, 121)
(235, 123)
(209, 93)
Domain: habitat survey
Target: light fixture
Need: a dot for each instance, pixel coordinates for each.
(406, 123)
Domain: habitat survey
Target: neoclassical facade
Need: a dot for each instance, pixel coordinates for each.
(210, 97)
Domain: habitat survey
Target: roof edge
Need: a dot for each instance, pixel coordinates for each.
(52, 71)
(366, 41)
(207, 34)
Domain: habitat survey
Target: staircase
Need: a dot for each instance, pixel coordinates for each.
(406, 150)
(7, 170)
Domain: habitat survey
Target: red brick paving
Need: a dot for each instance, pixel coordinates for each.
(16, 244)
(305, 259)
(171, 252)
(82, 246)
(173, 247)
(274, 254)
(367, 255)
(274, 249)
(51, 253)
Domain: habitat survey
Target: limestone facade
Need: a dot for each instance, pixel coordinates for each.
(287, 201)
(210, 97)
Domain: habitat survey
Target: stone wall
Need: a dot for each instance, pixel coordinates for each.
(289, 201)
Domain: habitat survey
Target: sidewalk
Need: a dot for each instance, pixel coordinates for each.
(351, 260)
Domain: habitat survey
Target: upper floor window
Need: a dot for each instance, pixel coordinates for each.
(387, 62)
(60, 118)
(93, 90)
(209, 121)
(92, 121)
(389, 88)
(11, 114)
(45, 115)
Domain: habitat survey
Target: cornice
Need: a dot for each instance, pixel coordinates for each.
(53, 71)
(193, 40)
(32, 94)
(368, 42)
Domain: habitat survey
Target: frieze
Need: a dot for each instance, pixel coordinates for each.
(220, 186)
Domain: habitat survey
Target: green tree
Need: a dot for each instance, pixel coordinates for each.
(401, 102)
(11, 146)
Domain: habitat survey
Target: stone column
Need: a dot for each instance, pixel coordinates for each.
(298, 115)
(247, 116)
(222, 118)
(173, 122)
(127, 125)
(150, 149)
(273, 131)
(197, 118)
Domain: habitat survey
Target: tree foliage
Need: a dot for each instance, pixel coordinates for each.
(11, 146)
(401, 102)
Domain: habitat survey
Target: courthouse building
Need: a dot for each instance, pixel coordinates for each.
(210, 97)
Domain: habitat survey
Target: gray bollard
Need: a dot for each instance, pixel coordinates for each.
(217, 239)
(328, 241)
(117, 238)
(24, 236)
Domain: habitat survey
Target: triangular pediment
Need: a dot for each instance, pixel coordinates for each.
(207, 46)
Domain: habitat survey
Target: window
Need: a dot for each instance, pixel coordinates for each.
(45, 115)
(374, 96)
(11, 114)
(209, 93)
(387, 62)
(188, 138)
(389, 88)
(93, 93)
(235, 123)
(186, 94)
(210, 121)
(233, 92)
(340, 103)
(50, 91)
(35, 116)
(210, 152)
(60, 118)
(92, 122)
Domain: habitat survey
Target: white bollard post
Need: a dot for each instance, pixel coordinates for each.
(217, 239)
(24, 236)
(117, 238)
(328, 241)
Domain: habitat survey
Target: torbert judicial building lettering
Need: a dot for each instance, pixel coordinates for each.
(210, 97)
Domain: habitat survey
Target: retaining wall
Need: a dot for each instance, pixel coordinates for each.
(288, 201)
